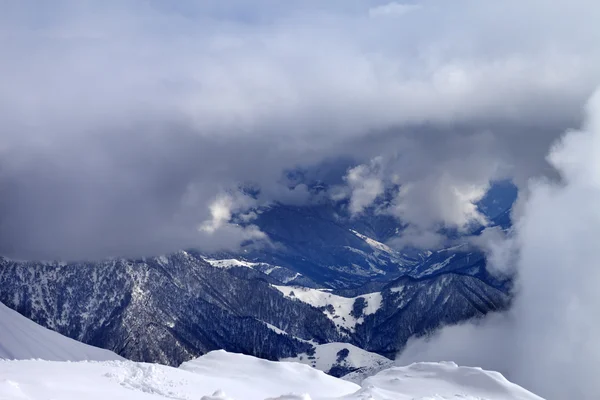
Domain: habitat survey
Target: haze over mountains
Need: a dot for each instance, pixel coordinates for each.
(342, 184)
(323, 282)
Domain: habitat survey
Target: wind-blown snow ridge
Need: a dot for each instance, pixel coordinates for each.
(21, 338)
(225, 376)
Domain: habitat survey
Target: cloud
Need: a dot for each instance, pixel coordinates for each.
(419, 238)
(547, 341)
(500, 249)
(366, 185)
(455, 203)
(392, 9)
(427, 186)
(111, 112)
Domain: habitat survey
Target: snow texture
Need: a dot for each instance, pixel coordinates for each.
(21, 338)
(437, 381)
(225, 376)
(337, 308)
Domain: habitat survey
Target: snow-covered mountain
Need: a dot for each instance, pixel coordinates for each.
(326, 246)
(224, 376)
(22, 339)
(174, 308)
(333, 296)
(330, 279)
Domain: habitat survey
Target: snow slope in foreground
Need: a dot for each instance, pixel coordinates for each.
(244, 378)
(437, 381)
(21, 338)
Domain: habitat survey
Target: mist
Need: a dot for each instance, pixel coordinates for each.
(548, 340)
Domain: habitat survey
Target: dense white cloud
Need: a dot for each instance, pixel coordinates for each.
(365, 184)
(500, 249)
(454, 204)
(552, 326)
(112, 111)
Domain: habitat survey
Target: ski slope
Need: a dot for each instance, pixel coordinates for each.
(21, 338)
(225, 376)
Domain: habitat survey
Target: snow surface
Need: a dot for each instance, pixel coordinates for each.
(342, 306)
(222, 376)
(265, 268)
(238, 376)
(264, 378)
(21, 338)
(436, 381)
(231, 262)
(326, 357)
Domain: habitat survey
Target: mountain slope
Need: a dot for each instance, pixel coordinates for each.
(419, 306)
(165, 309)
(333, 248)
(22, 339)
(173, 308)
(323, 244)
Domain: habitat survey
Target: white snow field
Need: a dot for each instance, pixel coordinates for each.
(225, 376)
(240, 377)
(21, 338)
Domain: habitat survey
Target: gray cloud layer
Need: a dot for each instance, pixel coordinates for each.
(123, 122)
